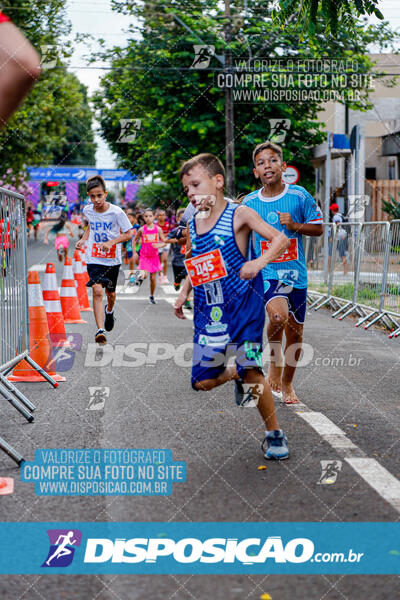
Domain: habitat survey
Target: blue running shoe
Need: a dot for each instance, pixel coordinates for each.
(277, 445)
(241, 397)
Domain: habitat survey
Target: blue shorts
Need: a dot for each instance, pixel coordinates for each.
(296, 297)
(233, 328)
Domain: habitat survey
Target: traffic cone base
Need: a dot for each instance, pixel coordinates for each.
(39, 338)
(6, 485)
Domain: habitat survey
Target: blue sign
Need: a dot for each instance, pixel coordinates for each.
(200, 548)
(78, 174)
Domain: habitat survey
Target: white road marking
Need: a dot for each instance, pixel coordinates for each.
(383, 482)
(379, 478)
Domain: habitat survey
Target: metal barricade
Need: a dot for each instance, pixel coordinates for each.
(314, 256)
(391, 293)
(14, 311)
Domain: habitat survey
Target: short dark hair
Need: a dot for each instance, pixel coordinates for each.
(95, 181)
(148, 210)
(210, 163)
(267, 146)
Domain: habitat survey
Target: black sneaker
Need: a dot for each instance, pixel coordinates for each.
(109, 320)
(100, 337)
(152, 300)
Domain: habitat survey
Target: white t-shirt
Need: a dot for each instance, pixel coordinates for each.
(103, 227)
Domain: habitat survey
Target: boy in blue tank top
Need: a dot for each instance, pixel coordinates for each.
(293, 211)
(228, 293)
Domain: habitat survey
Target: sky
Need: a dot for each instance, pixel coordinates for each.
(95, 17)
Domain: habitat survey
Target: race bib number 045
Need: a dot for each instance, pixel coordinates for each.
(289, 254)
(206, 267)
(97, 252)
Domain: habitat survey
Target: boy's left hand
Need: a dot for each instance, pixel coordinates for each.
(250, 269)
(106, 246)
(286, 220)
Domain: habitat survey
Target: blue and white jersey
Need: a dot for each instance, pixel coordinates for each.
(228, 309)
(289, 268)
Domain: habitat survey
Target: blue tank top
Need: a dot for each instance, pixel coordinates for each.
(232, 294)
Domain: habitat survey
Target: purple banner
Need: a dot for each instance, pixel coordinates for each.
(130, 192)
(34, 197)
(71, 191)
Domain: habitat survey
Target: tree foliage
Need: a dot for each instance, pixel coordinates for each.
(335, 13)
(181, 109)
(54, 123)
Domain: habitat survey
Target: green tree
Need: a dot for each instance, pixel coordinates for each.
(54, 123)
(333, 12)
(181, 109)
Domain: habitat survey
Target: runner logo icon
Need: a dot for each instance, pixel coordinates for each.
(62, 547)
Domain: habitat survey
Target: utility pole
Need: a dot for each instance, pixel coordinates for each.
(229, 115)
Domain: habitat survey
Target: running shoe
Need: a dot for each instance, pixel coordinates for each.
(177, 286)
(164, 280)
(188, 305)
(132, 279)
(100, 337)
(277, 444)
(109, 320)
(241, 397)
(152, 300)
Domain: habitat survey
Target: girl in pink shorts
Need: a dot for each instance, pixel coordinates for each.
(60, 231)
(152, 238)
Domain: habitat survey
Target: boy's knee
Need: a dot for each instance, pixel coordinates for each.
(97, 291)
(278, 318)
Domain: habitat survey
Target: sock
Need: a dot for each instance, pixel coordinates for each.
(109, 312)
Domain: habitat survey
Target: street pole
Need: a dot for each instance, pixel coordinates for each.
(229, 115)
(327, 204)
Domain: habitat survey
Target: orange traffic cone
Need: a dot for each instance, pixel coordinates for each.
(52, 305)
(83, 253)
(68, 297)
(81, 289)
(39, 338)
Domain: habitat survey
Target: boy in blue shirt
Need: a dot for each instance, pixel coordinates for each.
(292, 210)
(229, 311)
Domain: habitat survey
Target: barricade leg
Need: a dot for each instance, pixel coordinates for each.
(378, 317)
(361, 321)
(41, 371)
(11, 452)
(341, 309)
(16, 404)
(17, 393)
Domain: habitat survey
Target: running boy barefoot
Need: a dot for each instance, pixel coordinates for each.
(228, 292)
(292, 210)
(108, 227)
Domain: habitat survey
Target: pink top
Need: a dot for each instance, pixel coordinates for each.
(149, 237)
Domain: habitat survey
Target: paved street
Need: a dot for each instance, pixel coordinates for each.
(349, 413)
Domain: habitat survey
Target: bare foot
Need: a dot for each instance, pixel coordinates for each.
(274, 378)
(289, 396)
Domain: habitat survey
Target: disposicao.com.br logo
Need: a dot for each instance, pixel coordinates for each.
(62, 547)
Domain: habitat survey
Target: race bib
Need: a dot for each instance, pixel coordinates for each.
(97, 252)
(206, 267)
(289, 254)
(150, 238)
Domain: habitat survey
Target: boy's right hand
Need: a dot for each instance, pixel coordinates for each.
(79, 245)
(180, 301)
